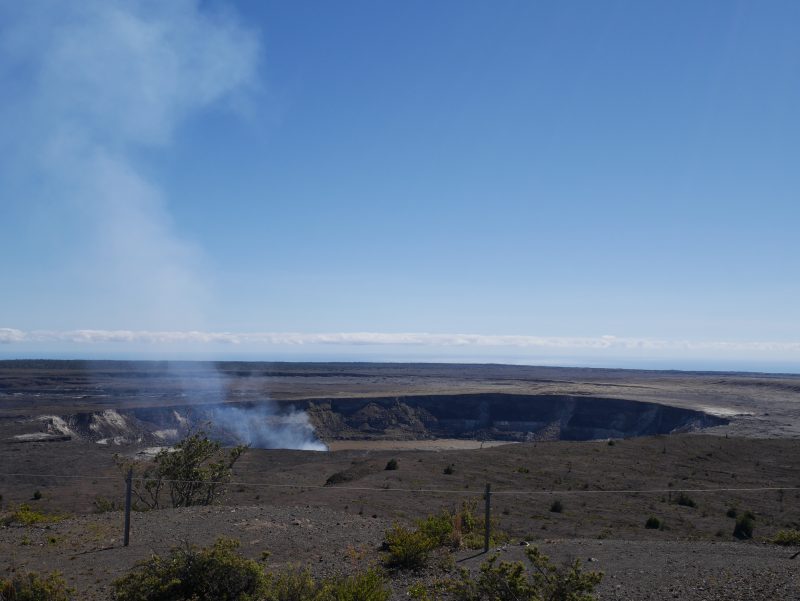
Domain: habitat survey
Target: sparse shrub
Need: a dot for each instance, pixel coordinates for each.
(438, 528)
(474, 535)
(787, 538)
(293, 584)
(450, 528)
(557, 506)
(33, 587)
(366, 586)
(731, 513)
(338, 478)
(220, 573)
(450, 469)
(25, 516)
(475, 540)
(652, 523)
(466, 515)
(685, 500)
(103, 505)
(744, 526)
(419, 592)
(391, 464)
(300, 585)
(509, 581)
(611, 442)
(407, 549)
(37, 494)
(194, 472)
(216, 573)
(524, 470)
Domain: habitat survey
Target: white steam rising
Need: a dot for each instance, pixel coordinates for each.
(263, 428)
(96, 83)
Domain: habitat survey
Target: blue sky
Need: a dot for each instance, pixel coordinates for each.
(612, 183)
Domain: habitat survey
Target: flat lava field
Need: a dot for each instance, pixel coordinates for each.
(745, 436)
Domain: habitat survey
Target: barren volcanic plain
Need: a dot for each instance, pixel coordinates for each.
(584, 437)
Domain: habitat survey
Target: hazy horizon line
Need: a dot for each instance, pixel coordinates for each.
(425, 339)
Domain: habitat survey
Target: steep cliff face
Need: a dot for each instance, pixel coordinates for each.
(500, 416)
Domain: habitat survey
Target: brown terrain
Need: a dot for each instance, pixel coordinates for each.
(585, 437)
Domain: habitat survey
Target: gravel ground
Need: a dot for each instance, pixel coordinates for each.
(88, 551)
(701, 571)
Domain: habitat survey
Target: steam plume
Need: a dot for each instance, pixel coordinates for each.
(97, 82)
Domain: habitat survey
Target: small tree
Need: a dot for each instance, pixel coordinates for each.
(194, 472)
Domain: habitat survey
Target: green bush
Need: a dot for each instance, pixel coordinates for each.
(37, 494)
(194, 472)
(391, 464)
(292, 585)
(25, 516)
(450, 469)
(685, 500)
(438, 528)
(456, 528)
(33, 587)
(652, 523)
(507, 581)
(731, 513)
(104, 505)
(407, 549)
(557, 506)
(744, 526)
(449, 528)
(787, 538)
(366, 586)
(338, 478)
(220, 573)
(216, 573)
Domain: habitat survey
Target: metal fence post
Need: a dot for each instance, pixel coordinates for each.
(128, 487)
(487, 534)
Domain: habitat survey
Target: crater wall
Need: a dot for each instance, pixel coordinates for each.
(500, 417)
(481, 416)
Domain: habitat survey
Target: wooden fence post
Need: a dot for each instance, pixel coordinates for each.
(487, 534)
(128, 487)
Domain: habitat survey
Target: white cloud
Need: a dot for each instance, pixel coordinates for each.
(551, 343)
